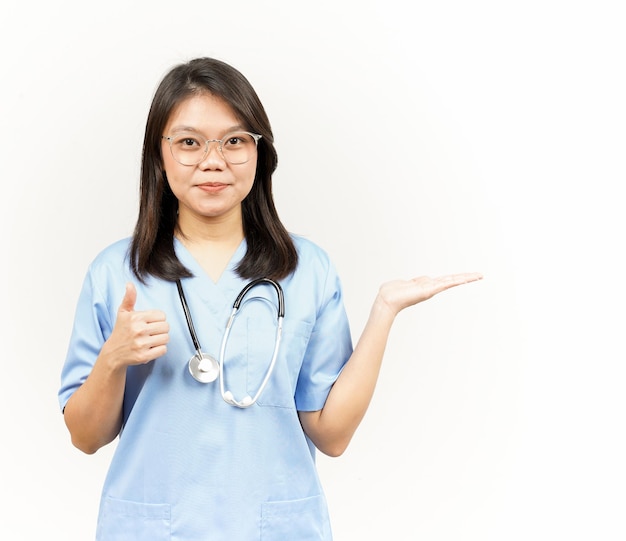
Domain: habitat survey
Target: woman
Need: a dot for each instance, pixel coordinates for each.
(234, 458)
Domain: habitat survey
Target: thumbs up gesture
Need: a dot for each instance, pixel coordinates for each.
(138, 337)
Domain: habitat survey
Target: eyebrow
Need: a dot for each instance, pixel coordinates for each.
(176, 129)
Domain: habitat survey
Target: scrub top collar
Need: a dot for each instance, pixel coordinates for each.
(228, 285)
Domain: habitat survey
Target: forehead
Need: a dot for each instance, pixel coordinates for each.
(204, 113)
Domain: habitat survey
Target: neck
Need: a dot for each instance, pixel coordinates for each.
(211, 241)
(200, 230)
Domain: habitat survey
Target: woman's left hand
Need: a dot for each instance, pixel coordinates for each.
(400, 294)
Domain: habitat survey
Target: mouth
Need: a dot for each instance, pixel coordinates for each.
(212, 187)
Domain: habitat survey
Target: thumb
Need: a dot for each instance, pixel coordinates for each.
(130, 296)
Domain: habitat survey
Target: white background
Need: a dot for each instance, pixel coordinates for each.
(413, 138)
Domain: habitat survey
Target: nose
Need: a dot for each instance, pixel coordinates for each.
(213, 157)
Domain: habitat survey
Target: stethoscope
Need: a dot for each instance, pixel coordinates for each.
(205, 368)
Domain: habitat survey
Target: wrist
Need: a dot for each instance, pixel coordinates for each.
(110, 360)
(383, 309)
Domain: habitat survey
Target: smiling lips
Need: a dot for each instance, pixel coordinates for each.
(212, 187)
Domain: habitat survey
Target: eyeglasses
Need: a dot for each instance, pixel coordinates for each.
(190, 148)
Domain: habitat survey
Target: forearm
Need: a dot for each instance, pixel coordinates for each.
(332, 428)
(93, 414)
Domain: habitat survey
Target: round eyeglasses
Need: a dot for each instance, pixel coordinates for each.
(190, 148)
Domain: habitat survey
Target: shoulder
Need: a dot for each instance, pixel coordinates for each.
(309, 250)
(115, 253)
(313, 261)
(111, 264)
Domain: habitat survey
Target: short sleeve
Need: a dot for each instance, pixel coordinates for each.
(92, 325)
(329, 347)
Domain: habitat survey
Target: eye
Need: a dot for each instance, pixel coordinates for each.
(234, 140)
(240, 139)
(186, 141)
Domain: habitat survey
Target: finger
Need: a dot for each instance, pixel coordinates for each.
(150, 342)
(156, 352)
(153, 316)
(157, 328)
(453, 280)
(156, 340)
(470, 276)
(461, 278)
(130, 297)
(148, 353)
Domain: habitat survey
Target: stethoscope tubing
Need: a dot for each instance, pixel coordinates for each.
(227, 396)
(192, 330)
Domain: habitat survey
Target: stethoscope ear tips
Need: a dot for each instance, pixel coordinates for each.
(230, 399)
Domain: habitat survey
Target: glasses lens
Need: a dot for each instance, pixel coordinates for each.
(238, 147)
(188, 148)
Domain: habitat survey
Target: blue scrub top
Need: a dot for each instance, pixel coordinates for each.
(188, 466)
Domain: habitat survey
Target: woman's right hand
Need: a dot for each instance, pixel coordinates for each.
(93, 414)
(138, 337)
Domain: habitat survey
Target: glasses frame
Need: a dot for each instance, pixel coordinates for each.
(220, 143)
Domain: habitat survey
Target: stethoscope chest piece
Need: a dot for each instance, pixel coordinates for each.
(204, 368)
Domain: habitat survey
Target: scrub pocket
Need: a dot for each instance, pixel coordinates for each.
(304, 520)
(280, 388)
(250, 348)
(122, 520)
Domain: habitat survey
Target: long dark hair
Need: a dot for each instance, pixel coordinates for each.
(270, 250)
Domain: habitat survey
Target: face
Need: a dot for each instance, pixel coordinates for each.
(212, 189)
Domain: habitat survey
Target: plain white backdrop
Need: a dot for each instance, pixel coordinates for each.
(413, 138)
